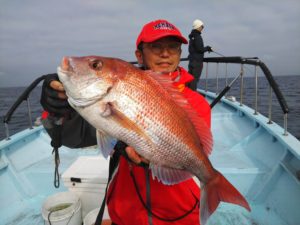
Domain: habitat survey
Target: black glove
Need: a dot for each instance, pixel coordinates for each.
(50, 101)
(209, 49)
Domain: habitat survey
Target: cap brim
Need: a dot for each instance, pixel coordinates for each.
(151, 39)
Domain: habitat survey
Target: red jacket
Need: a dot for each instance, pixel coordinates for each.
(124, 205)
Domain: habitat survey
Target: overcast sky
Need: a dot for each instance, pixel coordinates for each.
(36, 34)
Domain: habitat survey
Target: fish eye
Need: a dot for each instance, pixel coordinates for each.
(96, 64)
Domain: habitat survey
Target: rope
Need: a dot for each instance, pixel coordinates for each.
(56, 143)
(56, 172)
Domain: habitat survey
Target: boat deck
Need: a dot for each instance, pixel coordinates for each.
(262, 165)
(258, 162)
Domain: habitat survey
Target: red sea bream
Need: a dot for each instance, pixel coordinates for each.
(144, 110)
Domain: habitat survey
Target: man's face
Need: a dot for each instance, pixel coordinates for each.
(162, 55)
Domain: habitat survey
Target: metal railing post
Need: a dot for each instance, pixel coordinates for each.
(242, 85)
(285, 120)
(217, 78)
(226, 73)
(7, 131)
(206, 75)
(270, 106)
(256, 91)
(226, 78)
(29, 113)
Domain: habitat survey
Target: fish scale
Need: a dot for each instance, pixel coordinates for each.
(153, 122)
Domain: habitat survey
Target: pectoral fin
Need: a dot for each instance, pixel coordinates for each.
(169, 176)
(106, 143)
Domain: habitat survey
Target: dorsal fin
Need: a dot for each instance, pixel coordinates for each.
(203, 131)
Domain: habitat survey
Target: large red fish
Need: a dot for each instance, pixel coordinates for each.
(144, 110)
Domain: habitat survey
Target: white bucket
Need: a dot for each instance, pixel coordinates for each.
(64, 209)
(91, 217)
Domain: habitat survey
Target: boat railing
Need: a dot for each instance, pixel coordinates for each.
(257, 63)
(226, 60)
(23, 97)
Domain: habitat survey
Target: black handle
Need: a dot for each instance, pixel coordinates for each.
(215, 101)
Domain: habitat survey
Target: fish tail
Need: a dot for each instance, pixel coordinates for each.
(217, 190)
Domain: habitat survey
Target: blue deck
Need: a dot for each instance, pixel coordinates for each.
(260, 161)
(255, 156)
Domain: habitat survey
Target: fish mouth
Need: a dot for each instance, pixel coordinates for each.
(79, 93)
(63, 74)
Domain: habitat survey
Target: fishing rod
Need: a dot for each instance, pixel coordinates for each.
(218, 53)
(227, 88)
(223, 92)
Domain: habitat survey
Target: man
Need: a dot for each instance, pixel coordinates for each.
(196, 52)
(134, 197)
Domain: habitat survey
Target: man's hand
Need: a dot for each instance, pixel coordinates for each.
(53, 98)
(209, 49)
(136, 158)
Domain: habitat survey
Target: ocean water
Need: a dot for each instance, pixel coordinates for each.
(289, 85)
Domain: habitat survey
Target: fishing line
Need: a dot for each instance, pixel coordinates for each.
(219, 54)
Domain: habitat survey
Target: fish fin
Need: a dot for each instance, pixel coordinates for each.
(106, 143)
(125, 122)
(169, 176)
(202, 129)
(217, 190)
(105, 109)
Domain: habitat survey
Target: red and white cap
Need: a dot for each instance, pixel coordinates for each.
(158, 29)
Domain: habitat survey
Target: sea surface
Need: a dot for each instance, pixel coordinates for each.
(289, 86)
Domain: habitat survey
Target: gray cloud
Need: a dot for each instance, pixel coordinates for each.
(35, 35)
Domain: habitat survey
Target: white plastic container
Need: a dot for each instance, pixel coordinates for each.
(87, 178)
(63, 208)
(91, 217)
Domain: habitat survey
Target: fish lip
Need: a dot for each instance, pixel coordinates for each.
(62, 72)
(60, 69)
